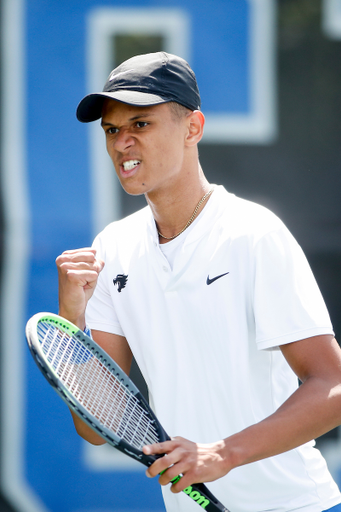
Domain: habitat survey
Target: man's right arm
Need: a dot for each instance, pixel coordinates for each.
(78, 271)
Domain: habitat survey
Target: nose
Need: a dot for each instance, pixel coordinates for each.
(123, 140)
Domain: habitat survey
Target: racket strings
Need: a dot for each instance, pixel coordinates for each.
(97, 389)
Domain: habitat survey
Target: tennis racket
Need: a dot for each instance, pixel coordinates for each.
(102, 395)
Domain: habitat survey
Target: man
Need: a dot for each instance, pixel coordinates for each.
(215, 300)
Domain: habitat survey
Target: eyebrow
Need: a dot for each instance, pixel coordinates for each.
(134, 118)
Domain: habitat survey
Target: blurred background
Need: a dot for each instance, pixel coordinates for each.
(269, 72)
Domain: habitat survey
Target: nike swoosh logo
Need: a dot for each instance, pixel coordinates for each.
(210, 281)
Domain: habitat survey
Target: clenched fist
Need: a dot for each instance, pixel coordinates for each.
(78, 271)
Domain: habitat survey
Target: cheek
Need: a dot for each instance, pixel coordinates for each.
(173, 153)
(172, 144)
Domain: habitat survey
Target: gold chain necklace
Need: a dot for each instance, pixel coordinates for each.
(191, 219)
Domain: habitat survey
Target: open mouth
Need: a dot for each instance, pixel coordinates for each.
(130, 164)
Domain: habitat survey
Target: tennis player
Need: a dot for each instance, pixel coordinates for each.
(216, 301)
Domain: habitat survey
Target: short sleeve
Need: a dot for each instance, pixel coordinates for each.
(100, 312)
(288, 305)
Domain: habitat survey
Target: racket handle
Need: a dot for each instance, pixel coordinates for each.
(197, 492)
(203, 496)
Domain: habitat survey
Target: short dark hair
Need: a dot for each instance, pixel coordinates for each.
(178, 111)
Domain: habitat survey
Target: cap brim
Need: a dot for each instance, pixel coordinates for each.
(90, 107)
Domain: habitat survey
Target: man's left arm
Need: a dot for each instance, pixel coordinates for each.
(313, 410)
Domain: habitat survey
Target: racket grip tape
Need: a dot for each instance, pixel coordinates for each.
(202, 496)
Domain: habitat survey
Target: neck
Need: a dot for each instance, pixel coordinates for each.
(173, 208)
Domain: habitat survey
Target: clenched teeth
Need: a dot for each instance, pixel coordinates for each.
(130, 164)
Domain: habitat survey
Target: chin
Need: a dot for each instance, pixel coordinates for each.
(134, 190)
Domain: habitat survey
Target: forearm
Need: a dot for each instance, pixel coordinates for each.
(314, 409)
(85, 431)
(311, 411)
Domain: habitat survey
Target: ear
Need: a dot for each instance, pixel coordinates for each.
(195, 123)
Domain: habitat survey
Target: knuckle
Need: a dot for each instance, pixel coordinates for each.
(60, 260)
(64, 268)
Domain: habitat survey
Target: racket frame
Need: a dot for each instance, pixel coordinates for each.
(49, 373)
(197, 492)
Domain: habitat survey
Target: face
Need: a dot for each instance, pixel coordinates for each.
(146, 145)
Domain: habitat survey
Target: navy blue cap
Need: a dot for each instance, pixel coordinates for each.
(145, 80)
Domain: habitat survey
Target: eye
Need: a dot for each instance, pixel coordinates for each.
(112, 130)
(141, 124)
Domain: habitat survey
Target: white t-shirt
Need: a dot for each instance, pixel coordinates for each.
(205, 332)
